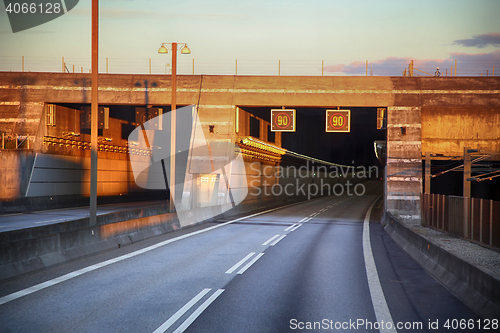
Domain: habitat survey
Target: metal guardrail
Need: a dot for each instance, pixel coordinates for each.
(470, 218)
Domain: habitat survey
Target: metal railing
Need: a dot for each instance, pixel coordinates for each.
(470, 218)
(16, 141)
(190, 66)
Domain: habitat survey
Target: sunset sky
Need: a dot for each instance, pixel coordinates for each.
(259, 33)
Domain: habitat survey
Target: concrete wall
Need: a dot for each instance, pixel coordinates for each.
(22, 92)
(55, 175)
(15, 170)
(448, 129)
(404, 163)
(60, 165)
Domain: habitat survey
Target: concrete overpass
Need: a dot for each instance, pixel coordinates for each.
(424, 114)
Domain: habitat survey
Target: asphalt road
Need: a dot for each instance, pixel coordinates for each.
(287, 270)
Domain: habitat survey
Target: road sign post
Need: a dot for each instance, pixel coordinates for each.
(338, 121)
(283, 120)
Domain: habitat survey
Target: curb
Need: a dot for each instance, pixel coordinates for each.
(476, 286)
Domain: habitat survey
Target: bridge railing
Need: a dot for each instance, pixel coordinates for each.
(188, 65)
(470, 218)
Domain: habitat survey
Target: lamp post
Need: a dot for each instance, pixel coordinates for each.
(164, 50)
(94, 114)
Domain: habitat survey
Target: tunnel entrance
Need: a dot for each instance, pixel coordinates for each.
(66, 136)
(311, 139)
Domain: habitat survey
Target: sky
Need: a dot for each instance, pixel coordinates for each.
(293, 37)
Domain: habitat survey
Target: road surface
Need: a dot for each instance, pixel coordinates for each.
(302, 268)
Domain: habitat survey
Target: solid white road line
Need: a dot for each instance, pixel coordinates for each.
(308, 219)
(382, 312)
(239, 263)
(295, 228)
(165, 326)
(62, 278)
(198, 311)
(247, 266)
(290, 227)
(303, 219)
(276, 241)
(270, 240)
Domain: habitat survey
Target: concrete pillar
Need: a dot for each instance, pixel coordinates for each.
(404, 163)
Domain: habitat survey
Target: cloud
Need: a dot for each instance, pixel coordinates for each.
(477, 57)
(475, 64)
(480, 40)
(392, 66)
(467, 65)
(334, 68)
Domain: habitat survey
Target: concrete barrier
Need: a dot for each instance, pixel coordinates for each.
(30, 249)
(476, 286)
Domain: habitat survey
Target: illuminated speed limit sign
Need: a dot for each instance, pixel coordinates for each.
(283, 120)
(338, 120)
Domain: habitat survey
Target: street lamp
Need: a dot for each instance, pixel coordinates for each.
(164, 50)
(94, 114)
